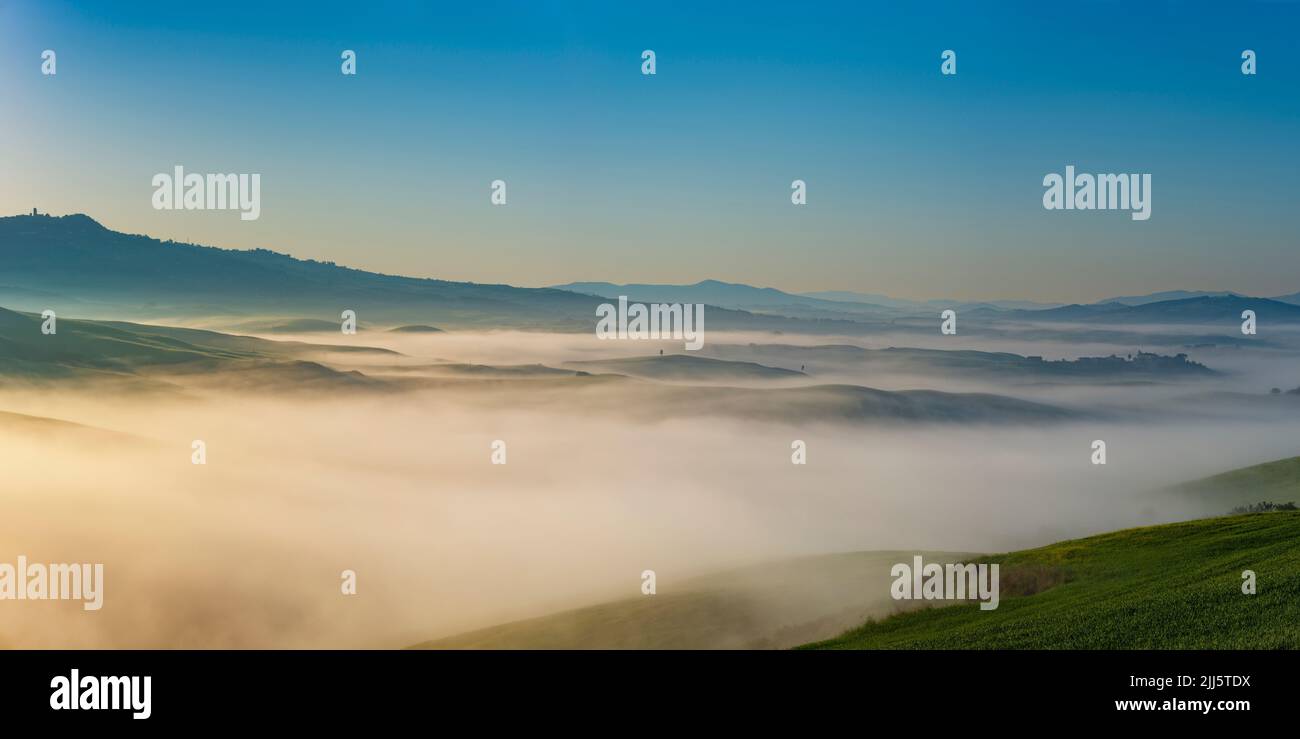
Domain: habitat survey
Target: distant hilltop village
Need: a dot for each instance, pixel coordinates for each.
(1142, 361)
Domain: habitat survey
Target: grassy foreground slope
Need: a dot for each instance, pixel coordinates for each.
(1176, 586)
(773, 605)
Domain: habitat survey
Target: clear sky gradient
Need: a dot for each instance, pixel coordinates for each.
(919, 185)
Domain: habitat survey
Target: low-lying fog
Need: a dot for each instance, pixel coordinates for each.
(247, 550)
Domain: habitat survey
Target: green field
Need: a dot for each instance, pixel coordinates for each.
(1176, 586)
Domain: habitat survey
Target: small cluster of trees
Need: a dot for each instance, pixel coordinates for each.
(1264, 507)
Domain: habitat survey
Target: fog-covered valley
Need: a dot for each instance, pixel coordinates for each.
(374, 453)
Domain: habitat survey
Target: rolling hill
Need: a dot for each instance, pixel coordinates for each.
(86, 350)
(1141, 366)
(724, 294)
(775, 605)
(152, 356)
(1276, 482)
(1176, 586)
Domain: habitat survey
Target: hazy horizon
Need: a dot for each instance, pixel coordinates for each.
(924, 298)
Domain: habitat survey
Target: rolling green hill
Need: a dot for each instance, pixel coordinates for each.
(773, 605)
(1176, 586)
(1277, 482)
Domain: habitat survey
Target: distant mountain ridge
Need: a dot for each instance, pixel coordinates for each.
(1167, 295)
(742, 296)
(716, 292)
(1176, 306)
(74, 262)
(1000, 304)
(1226, 309)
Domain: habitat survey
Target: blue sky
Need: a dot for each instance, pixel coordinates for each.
(920, 185)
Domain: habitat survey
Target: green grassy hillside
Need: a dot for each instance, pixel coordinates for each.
(1277, 482)
(1176, 586)
(774, 605)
